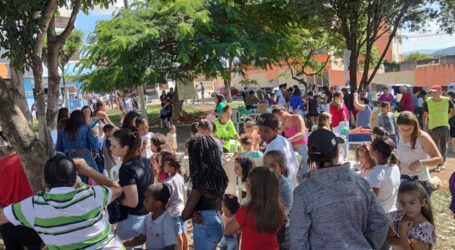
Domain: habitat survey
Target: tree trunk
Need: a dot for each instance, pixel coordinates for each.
(44, 134)
(140, 91)
(178, 105)
(29, 149)
(53, 86)
(64, 92)
(227, 86)
(18, 92)
(353, 65)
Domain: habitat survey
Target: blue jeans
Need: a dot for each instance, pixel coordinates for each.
(302, 150)
(131, 227)
(229, 242)
(207, 235)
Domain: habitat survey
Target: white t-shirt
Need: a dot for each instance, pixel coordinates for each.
(148, 149)
(176, 187)
(387, 179)
(282, 144)
(128, 104)
(281, 100)
(161, 232)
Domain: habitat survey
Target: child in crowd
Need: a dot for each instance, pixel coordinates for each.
(378, 132)
(263, 217)
(246, 140)
(172, 138)
(142, 127)
(385, 177)
(193, 132)
(242, 167)
(157, 141)
(362, 155)
(387, 121)
(166, 113)
(159, 230)
(272, 100)
(412, 227)
(276, 161)
(229, 207)
(109, 159)
(206, 127)
(252, 129)
(171, 164)
(324, 121)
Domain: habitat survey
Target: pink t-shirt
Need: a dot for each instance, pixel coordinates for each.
(387, 98)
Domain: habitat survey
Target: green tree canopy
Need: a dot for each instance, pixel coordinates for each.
(416, 56)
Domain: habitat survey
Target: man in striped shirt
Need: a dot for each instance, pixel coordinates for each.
(67, 217)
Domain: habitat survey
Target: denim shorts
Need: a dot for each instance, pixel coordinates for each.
(207, 235)
(131, 227)
(229, 242)
(180, 225)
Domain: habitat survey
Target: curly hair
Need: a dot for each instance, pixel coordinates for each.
(247, 164)
(206, 171)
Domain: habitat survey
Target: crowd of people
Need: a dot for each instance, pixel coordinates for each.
(296, 188)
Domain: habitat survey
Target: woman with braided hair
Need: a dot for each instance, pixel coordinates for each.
(209, 181)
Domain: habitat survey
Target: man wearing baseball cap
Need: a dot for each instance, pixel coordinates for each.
(334, 208)
(438, 109)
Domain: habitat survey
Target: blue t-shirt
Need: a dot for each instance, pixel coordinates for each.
(254, 155)
(295, 102)
(364, 117)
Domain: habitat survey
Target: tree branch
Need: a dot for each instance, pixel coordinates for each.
(70, 26)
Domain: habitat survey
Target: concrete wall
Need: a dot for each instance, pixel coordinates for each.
(435, 74)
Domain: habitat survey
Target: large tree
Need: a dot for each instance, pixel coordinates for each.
(360, 24)
(23, 27)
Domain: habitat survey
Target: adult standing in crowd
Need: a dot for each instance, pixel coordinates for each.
(163, 98)
(268, 131)
(386, 96)
(15, 188)
(203, 92)
(251, 100)
(67, 217)
(209, 181)
(364, 114)
(135, 175)
(127, 103)
(439, 110)
(312, 108)
(406, 103)
(170, 94)
(280, 98)
(296, 132)
(327, 98)
(338, 110)
(225, 128)
(416, 150)
(78, 141)
(296, 102)
(219, 105)
(334, 208)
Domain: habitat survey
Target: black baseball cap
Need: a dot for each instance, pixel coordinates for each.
(268, 120)
(323, 141)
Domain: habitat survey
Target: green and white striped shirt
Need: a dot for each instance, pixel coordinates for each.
(67, 218)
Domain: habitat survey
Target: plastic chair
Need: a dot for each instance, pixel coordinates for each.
(236, 119)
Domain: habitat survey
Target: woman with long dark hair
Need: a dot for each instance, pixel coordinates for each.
(77, 140)
(416, 150)
(130, 121)
(209, 181)
(219, 105)
(135, 175)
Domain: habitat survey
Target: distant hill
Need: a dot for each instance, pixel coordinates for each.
(422, 51)
(446, 51)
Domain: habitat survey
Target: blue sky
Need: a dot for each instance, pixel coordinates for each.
(431, 39)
